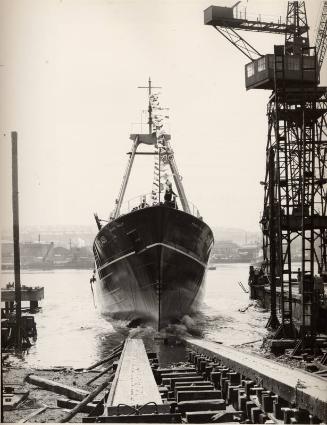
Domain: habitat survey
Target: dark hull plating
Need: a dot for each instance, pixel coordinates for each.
(151, 265)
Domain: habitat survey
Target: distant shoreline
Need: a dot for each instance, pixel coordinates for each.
(87, 266)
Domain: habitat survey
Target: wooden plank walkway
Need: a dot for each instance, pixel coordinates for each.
(308, 391)
(134, 383)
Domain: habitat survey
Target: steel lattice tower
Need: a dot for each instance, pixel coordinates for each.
(295, 201)
(295, 194)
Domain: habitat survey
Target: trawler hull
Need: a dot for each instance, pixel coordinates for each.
(151, 265)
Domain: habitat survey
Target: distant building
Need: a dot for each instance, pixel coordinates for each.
(224, 250)
(229, 251)
(248, 252)
(30, 253)
(43, 255)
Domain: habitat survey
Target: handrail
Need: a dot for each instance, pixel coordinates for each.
(148, 200)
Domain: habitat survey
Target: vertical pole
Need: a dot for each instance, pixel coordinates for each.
(1, 406)
(273, 320)
(149, 87)
(160, 265)
(15, 207)
(159, 301)
(303, 244)
(159, 172)
(150, 109)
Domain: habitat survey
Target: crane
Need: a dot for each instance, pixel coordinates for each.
(295, 186)
(295, 30)
(321, 38)
(223, 19)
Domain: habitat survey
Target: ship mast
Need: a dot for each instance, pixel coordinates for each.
(167, 152)
(164, 150)
(149, 87)
(150, 123)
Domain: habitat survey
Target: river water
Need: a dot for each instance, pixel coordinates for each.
(71, 332)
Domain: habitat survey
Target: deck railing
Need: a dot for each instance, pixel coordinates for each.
(152, 199)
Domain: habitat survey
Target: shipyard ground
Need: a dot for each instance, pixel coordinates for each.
(38, 398)
(15, 376)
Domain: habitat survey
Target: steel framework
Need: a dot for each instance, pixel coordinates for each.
(321, 40)
(295, 201)
(295, 195)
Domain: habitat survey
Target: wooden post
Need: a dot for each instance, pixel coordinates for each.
(15, 207)
(1, 401)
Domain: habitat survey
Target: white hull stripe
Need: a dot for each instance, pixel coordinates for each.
(148, 247)
(115, 261)
(174, 249)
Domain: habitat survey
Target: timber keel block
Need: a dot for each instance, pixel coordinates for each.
(198, 395)
(198, 405)
(277, 389)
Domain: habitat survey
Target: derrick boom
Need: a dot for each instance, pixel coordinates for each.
(321, 39)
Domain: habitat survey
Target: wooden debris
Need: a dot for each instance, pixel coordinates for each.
(85, 401)
(11, 398)
(33, 414)
(67, 403)
(57, 387)
(100, 374)
(115, 353)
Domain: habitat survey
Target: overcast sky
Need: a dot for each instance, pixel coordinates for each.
(69, 75)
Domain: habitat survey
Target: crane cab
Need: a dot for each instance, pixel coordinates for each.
(293, 70)
(215, 15)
